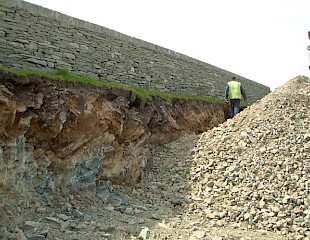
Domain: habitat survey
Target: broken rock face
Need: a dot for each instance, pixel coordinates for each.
(71, 136)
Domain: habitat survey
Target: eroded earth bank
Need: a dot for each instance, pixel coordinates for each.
(79, 162)
(71, 135)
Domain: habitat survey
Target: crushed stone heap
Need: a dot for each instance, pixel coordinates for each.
(253, 170)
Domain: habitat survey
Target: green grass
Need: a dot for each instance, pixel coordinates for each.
(142, 94)
(171, 96)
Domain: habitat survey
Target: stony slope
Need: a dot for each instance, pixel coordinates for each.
(245, 179)
(252, 172)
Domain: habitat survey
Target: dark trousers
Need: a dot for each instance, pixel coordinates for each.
(235, 105)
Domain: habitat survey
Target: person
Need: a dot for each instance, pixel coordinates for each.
(234, 90)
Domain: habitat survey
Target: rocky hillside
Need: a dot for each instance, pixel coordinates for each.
(247, 178)
(68, 136)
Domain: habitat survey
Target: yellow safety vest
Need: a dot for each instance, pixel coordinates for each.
(234, 90)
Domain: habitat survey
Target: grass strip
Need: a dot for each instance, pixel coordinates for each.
(143, 94)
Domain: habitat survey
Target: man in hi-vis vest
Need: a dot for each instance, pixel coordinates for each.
(234, 90)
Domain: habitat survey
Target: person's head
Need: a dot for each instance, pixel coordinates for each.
(233, 78)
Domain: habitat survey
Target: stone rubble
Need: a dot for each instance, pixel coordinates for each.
(246, 179)
(254, 170)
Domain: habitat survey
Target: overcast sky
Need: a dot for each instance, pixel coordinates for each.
(263, 40)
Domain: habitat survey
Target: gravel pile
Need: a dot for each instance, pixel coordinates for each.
(253, 171)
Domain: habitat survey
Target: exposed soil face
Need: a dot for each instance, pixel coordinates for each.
(78, 134)
(247, 178)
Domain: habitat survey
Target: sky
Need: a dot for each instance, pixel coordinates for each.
(262, 40)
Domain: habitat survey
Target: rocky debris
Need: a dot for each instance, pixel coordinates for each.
(253, 170)
(246, 179)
